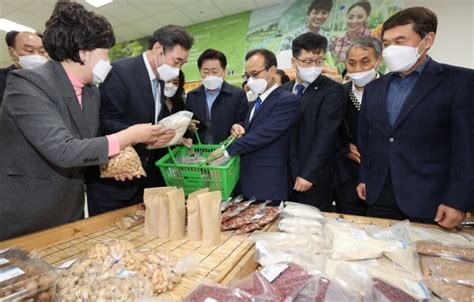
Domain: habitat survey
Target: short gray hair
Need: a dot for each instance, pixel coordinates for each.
(366, 43)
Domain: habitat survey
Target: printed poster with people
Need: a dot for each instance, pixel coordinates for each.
(340, 21)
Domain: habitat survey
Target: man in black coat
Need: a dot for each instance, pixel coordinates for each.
(362, 60)
(216, 104)
(312, 147)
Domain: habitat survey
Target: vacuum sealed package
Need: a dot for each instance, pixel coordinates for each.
(442, 236)
(433, 248)
(179, 122)
(448, 270)
(209, 291)
(321, 289)
(127, 162)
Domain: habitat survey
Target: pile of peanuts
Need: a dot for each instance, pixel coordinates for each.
(150, 272)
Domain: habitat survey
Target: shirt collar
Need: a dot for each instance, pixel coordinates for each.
(264, 95)
(151, 74)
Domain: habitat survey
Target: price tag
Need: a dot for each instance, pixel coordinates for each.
(10, 273)
(272, 272)
(67, 264)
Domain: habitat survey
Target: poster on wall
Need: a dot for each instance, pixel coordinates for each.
(274, 27)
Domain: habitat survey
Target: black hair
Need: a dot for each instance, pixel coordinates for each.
(270, 59)
(177, 100)
(424, 20)
(284, 77)
(72, 28)
(171, 35)
(318, 5)
(10, 38)
(243, 84)
(310, 42)
(212, 54)
(365, 6)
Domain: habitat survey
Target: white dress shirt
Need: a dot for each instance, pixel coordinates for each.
(152, 77)
(262, 97)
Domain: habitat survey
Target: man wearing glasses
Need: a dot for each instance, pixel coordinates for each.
(312, 155)
(264, 138)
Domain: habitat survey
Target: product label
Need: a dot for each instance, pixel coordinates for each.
(359, 235)
(3, 261)
(10, 273)
(67, 264)
(418, 289)
(272, 272)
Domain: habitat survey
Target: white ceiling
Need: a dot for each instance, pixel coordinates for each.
(130, 19)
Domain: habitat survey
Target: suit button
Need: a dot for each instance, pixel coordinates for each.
(391, 139)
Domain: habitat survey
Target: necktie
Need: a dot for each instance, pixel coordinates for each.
(157, 97)
(299, 90)
(258, 103)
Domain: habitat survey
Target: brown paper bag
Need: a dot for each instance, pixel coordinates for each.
(210, 208)
(194, 215)
(177, 213)
(152, 212)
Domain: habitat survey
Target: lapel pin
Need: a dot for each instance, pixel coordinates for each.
(315, 87)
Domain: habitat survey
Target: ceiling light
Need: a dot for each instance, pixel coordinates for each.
(7, 25)
(98, 3)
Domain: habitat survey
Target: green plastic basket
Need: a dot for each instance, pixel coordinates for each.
(192, 177)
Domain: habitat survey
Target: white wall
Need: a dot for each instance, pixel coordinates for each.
(454, 42)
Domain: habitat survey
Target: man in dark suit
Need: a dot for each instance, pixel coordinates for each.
(26, 51)
(132, 94)
(416, 129)
(312, 147)
(363, 57)
(263, 148)
(217, 104)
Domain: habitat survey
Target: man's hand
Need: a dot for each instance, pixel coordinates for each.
(187, 142)
(139, 133)
(194, 125)
(354, 153)
(361, 191)
(302, 185)
(448, 217)
(162, 139)
(237, 130)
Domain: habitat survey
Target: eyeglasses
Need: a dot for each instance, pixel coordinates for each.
(309, 63)
(252, 75)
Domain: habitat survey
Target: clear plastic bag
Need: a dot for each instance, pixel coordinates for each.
(209, 291)
(442, 236)
(302, 210)
(447, 270)
(300, 225)
(179, 122)
(321, 289)
(127, 162)
(434, 248)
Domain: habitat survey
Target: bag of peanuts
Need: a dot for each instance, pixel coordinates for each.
(210, 210)
(127, 162)
(156, 213)
(177, 214)
(194, 215)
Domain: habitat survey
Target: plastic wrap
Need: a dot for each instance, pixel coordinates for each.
(208, 291)
(450, 271)
(262, 218)
(434, 248)
(324, 290)
(302, 210)
(300, 225)
(235, 208)
(25, 278)
(179, 122)
(127, 162)
(442, 236)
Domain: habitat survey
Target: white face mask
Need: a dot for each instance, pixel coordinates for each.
(166, 71)
(170, 90)
(251, 96)
(212, 82)
(100, 71)
(360, 79)
(31, 61)
(309, 74)
(400, 58)
(257, 86)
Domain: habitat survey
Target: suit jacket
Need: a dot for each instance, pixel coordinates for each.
(46, 140)
(229, 108)
(127, 99)
(312, 148)
(429, 150)
(3, 80)
(264, 171)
